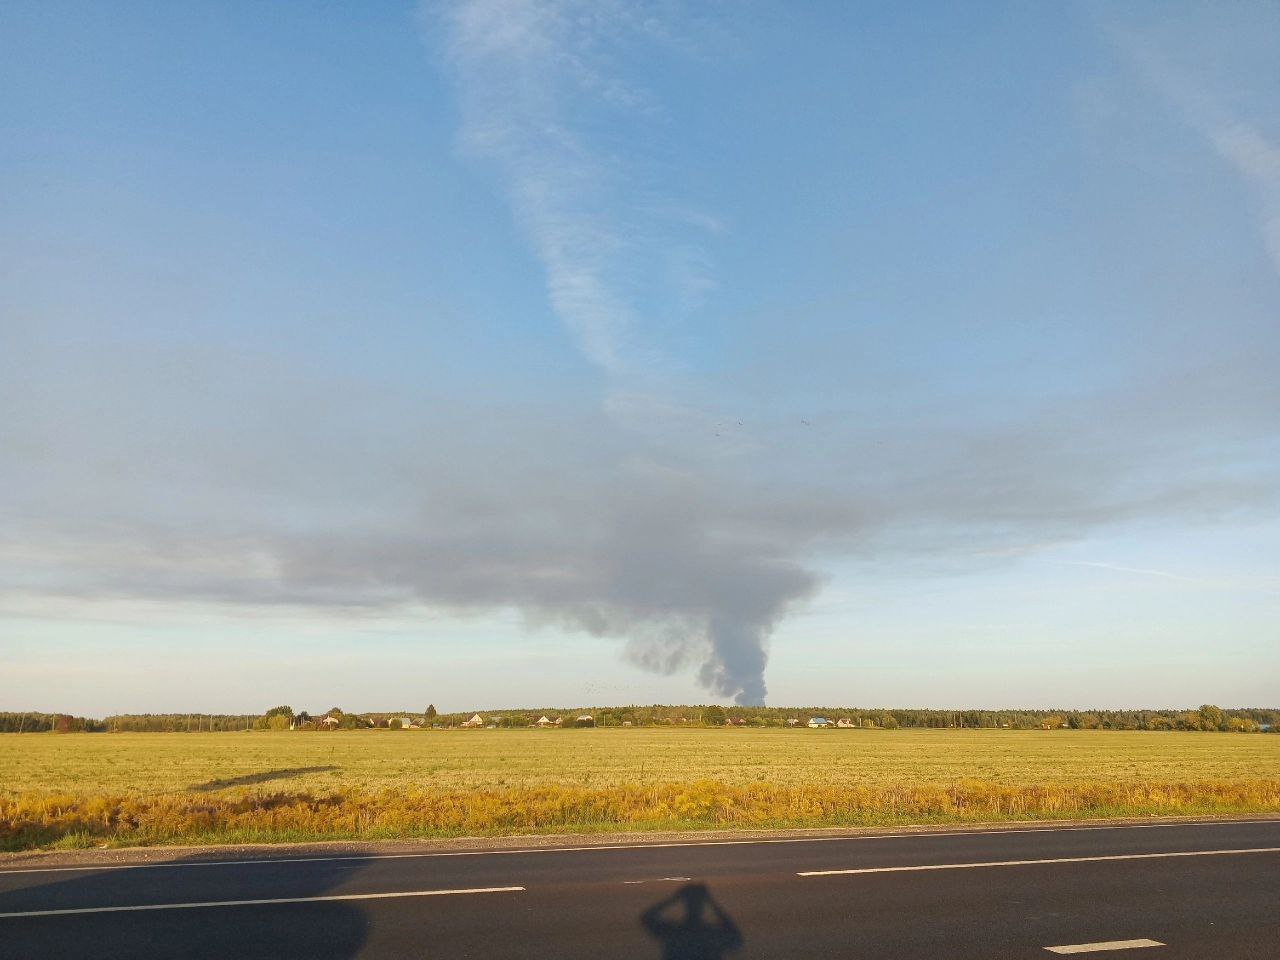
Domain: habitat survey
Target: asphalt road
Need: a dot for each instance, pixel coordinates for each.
(1197, 890)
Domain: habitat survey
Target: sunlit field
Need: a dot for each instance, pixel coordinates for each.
(80, 789)
(471, 759)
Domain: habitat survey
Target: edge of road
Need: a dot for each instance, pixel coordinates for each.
(574, 841)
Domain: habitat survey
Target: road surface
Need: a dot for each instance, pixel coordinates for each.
(1207, 890)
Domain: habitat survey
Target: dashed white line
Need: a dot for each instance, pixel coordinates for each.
(254, 903)
(1027, 863)
(1108, 945)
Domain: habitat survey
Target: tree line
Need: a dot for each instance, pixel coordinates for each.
(1207, 718)
(32, 722)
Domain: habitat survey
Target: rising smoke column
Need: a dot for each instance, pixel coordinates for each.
(527, 73)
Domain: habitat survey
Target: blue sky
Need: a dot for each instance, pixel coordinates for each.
(541, 352)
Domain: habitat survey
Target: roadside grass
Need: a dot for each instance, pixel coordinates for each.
(80, 790)
(76, 821)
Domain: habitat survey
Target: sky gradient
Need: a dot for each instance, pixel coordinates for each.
(520, 353)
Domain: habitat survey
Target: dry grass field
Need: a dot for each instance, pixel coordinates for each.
(81, 789)
(475, 759)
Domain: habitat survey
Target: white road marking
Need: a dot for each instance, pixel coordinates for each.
(254, 903)
(1109, 945)
(661, 880)
(1026, 863)
(85, 868)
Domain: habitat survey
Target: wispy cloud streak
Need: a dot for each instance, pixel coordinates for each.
(533, 79)
(1120, 568)
(1241, 144)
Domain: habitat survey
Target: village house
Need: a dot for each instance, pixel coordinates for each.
(844, 723)
(816, 722)
(475, 721)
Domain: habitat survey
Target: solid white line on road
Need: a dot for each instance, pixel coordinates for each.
(254, 903)
(1109, 945)
(1027, 863)
(517, 851)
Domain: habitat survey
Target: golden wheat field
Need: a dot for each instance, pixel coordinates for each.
(82, 789)
(471, 759)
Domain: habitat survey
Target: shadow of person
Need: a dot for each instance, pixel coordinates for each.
(691, 925)
(284, 773)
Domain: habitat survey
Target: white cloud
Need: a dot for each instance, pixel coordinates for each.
(1258, 160)
(538, 80)
(1241, 144)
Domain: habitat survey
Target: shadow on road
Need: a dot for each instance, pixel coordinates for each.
(321, 930)
(251, 778)
(690, 925)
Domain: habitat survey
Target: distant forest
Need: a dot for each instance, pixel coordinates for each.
(1206, 718)
(141, 723)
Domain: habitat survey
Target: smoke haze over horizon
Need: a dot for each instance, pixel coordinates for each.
(656, 347)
